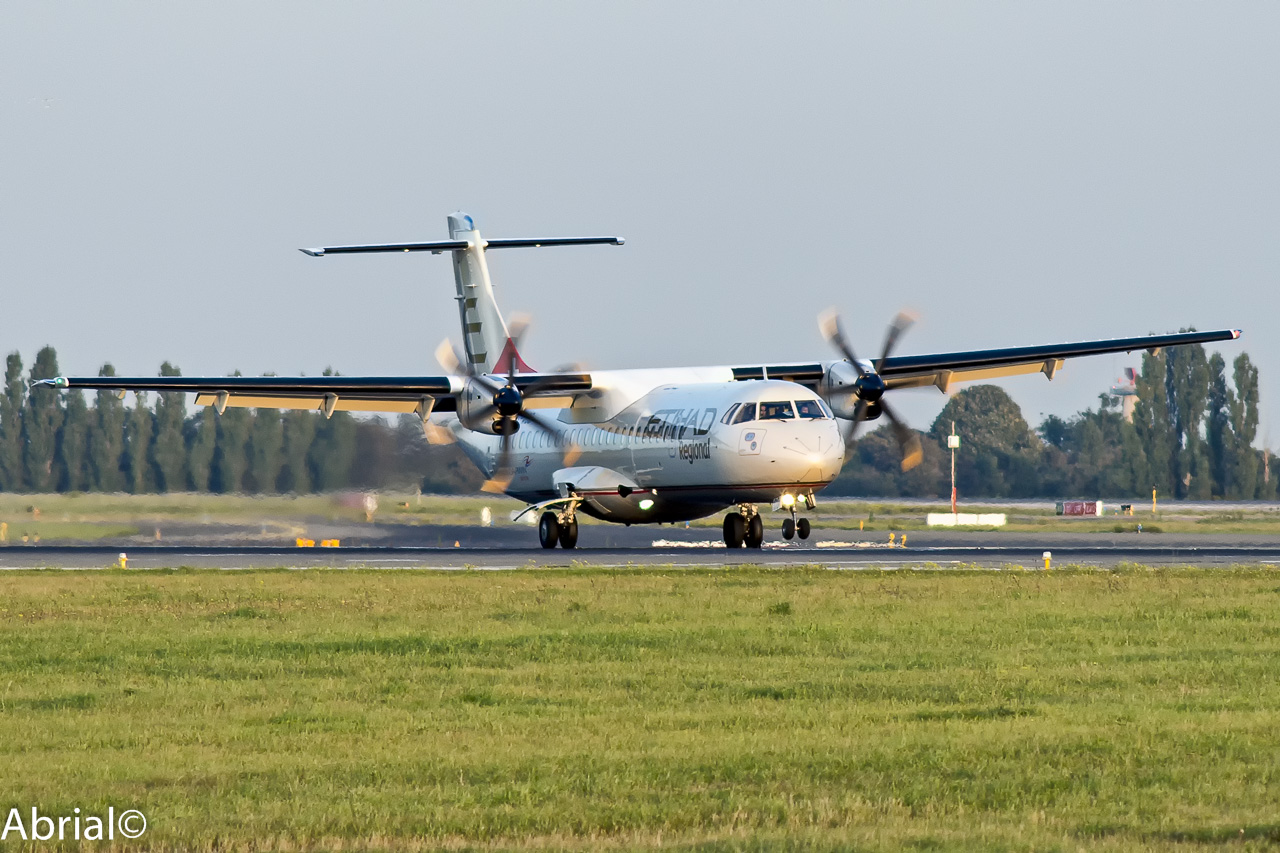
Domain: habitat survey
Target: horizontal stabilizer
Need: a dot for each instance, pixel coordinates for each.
(438, 246)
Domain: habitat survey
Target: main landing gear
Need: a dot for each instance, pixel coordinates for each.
(744, 528)
(554, 528)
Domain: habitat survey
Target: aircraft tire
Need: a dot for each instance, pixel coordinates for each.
(754, 537)
(735, 530)
(569, 534)
(788, 529)
(548, 530)
(802, 528)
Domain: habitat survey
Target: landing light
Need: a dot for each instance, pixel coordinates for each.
(646, 504)
(787, 500)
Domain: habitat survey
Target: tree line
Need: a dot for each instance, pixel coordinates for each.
(1191, 437)
(62, 441)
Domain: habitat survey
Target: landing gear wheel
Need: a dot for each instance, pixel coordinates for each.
(548, 530)
(802, 528)
(788, 528)
(754, 537)
(735, 530)
(569, 534)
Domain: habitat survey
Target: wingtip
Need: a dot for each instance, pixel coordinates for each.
(315, 253)
(1236, 333)
(620, 241)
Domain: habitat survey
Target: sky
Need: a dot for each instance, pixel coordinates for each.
(1014, 173)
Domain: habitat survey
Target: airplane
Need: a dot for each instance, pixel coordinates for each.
(636, 446)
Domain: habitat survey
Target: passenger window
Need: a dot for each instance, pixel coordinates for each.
(809, 409)
(728, 416)
(779, 411)
(748, 413)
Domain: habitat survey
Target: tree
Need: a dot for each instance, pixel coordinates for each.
(41, 421)
(332, 453)
(1219, 438)
(1152, 423)
(139, 429)
(266, 437)
(11, 407)
(200, 434)
(1187, 386)
(169, 451)
(1002, 454)
(333, 450)
(299, 430)
(1244, 426)
(229, 459)
(106, 439)
(73, 445)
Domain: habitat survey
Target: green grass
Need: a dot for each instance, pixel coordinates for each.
(722, 709)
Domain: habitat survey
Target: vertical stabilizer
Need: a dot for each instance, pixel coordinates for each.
(485, 335)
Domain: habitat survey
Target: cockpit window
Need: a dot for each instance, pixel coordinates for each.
(809, 409)
(825, 408)
(728, 416)
(746, 413)
(779, 411)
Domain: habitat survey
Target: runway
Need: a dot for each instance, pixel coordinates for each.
(509, 548)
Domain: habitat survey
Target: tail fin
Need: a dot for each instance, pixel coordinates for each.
(485, 335)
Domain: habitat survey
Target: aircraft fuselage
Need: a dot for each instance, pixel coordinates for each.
(679, 452)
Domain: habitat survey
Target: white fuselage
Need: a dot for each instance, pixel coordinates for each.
(675, 452)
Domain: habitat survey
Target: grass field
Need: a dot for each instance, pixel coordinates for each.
(708, 710)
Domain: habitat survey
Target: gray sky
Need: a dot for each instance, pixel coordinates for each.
(1016, 173)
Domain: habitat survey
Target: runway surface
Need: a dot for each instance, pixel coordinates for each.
(433, 547)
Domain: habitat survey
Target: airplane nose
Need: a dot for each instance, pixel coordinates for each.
(810, 456)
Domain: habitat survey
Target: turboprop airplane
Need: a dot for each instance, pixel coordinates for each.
(648, 445)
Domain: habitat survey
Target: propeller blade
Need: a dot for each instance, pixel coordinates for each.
(859, 415)
(829, 325)
(502, 471)
(912, 452)
(436, 434)
(447, 358)
(516, 327)
(900, 324)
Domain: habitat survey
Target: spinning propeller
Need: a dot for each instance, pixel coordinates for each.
(869, 387)
(507, 403)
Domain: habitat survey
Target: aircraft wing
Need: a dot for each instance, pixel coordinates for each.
(948, 368)
(945, 369)
(404, 394)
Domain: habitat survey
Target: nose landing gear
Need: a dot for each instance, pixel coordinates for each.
(793, 526)
(744, 528)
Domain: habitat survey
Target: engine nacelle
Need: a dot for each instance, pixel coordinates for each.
(842, 388)
(477, 413)
(839, 388)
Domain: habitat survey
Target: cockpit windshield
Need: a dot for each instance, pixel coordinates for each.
(809, 409)
(777, 411)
